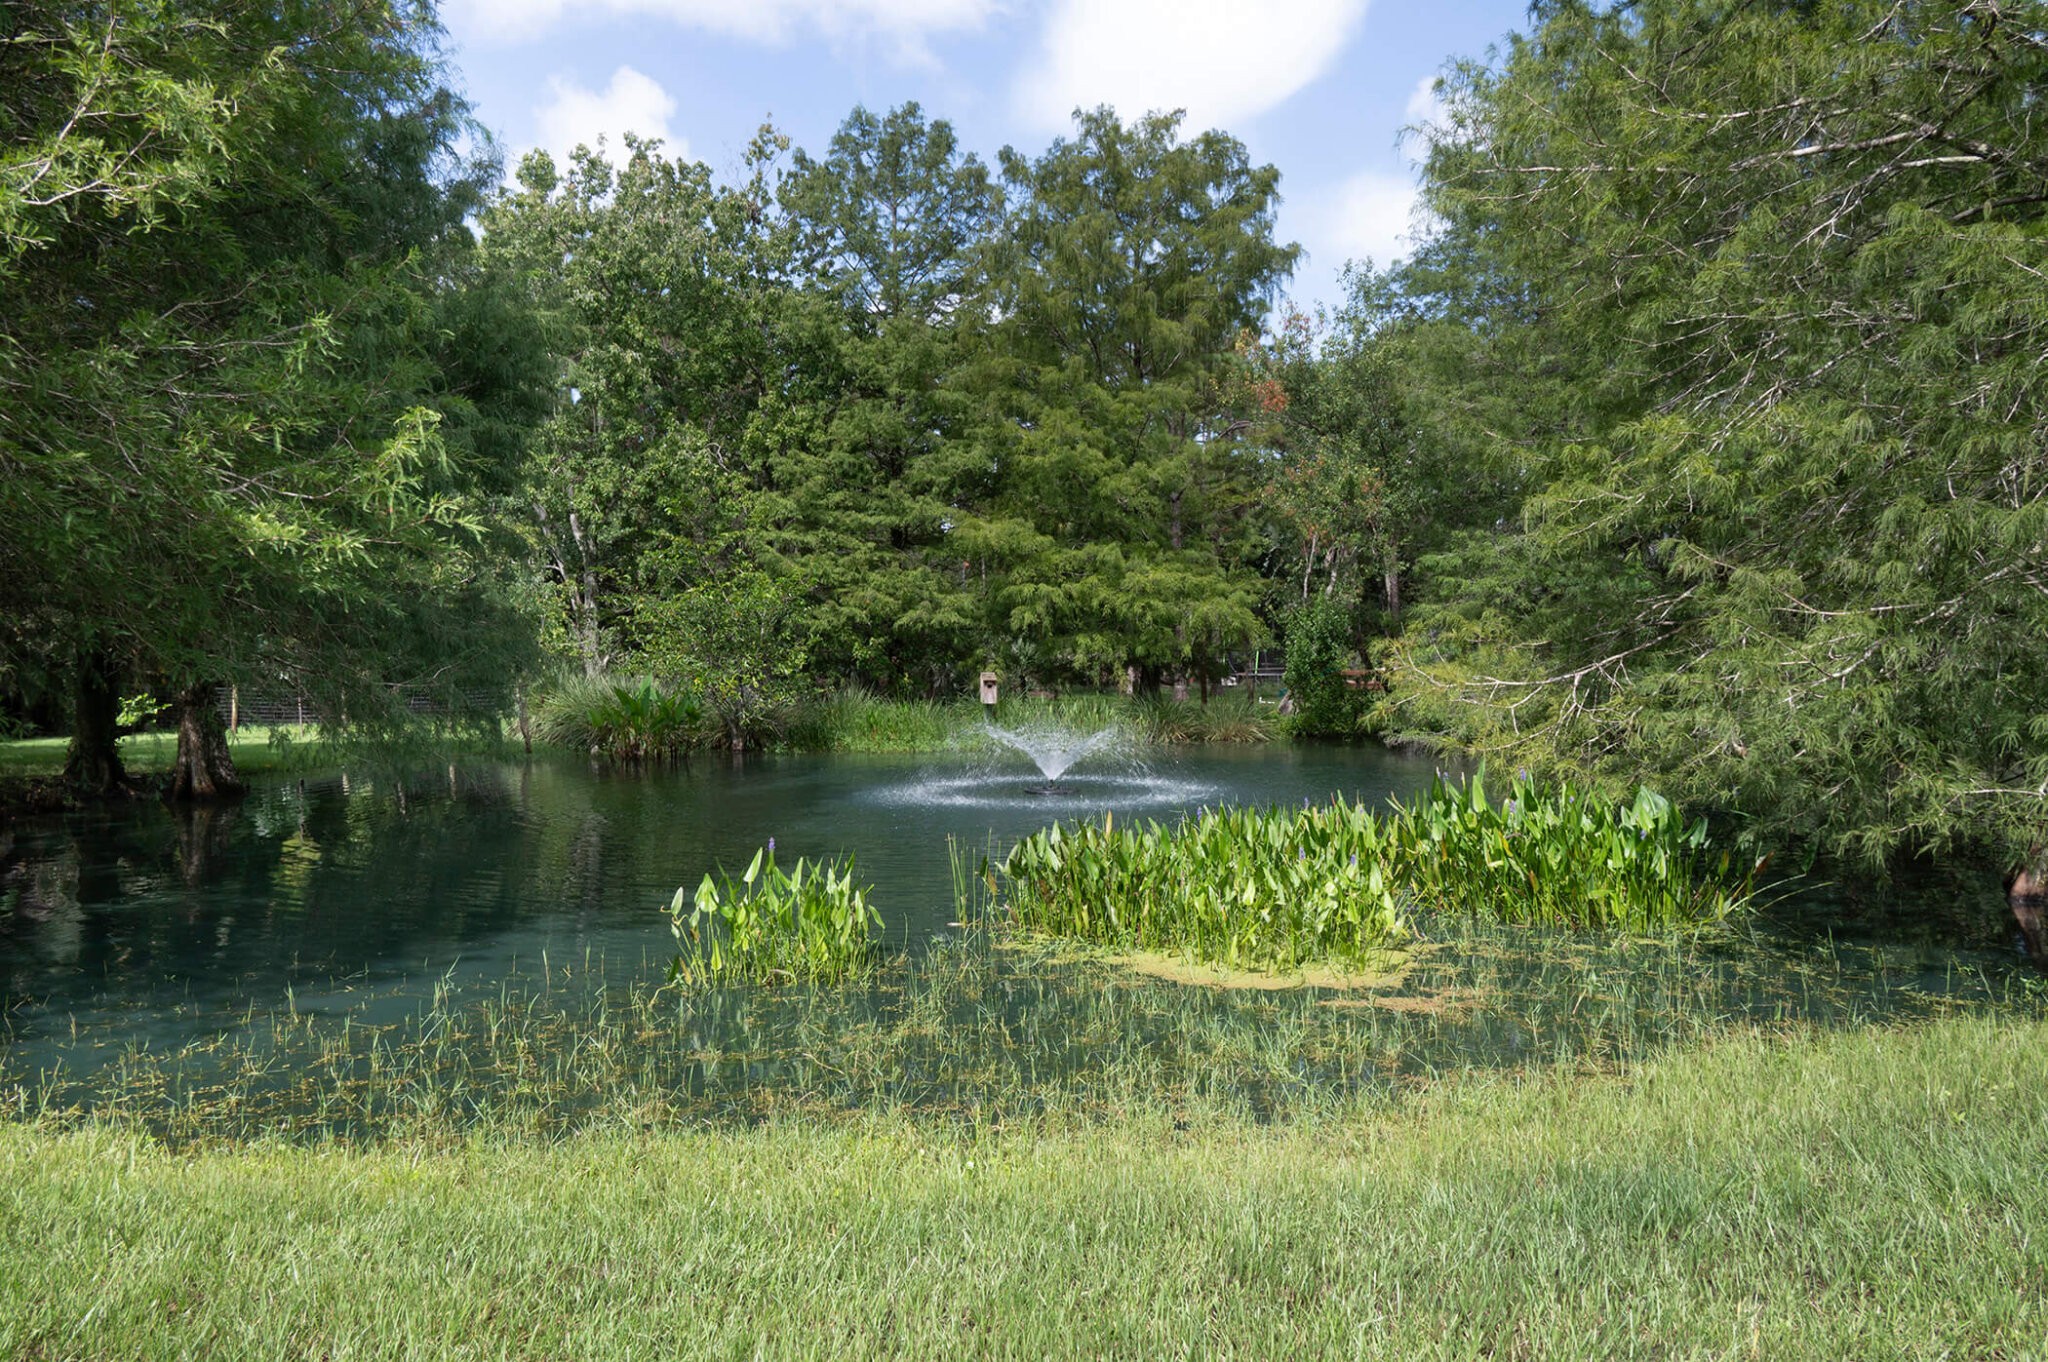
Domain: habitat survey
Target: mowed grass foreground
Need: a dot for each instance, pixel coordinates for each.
(1873, 1193)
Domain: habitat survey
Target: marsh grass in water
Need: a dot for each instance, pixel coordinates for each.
(620, 718)
(989, 1031)
(1285, 887)
(812, 923)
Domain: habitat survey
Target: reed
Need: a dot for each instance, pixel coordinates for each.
(621, 718)
(1283, 887)
(812, 923)
(1227, 718)
(853, 720)
(982, 1029)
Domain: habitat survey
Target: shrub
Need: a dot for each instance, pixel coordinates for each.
(1319, 647)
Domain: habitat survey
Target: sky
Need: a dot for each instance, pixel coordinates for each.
(1320, 88)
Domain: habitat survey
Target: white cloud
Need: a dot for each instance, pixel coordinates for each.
(902, 24)
(1371, 214)
(1222, 60)
(632, 102)
(1425, 105)
(1426, 114)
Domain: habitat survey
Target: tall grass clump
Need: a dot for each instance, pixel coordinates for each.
(1227, 718)
(854, 720)
(1280, 887)
(810, 924)
(624, 719)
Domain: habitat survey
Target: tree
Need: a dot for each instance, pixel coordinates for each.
(640, 278)
(867, 465)
(1117, 535)
(235, 446)
(1789, 550)
(1346, 480)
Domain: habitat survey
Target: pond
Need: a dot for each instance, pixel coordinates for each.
(332, 947)
(146, 924)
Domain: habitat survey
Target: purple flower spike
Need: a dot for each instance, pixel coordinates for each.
(771, 846)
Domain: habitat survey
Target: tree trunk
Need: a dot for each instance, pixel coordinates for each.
(1393, 582)
(93, 764)
(204, 769)
(584, 592)
(2027, 895)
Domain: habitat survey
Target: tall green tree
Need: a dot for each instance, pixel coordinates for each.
(1131, 260)
(639, 280)
(237, 444)
(865, 447)
(1789, 551)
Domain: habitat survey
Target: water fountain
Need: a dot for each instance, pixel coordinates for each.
(1112, 775)
(1051, 749)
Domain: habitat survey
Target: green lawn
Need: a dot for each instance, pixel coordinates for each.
(284, 747)
(1867, 1194)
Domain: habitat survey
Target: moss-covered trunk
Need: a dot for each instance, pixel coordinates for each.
(204, 769)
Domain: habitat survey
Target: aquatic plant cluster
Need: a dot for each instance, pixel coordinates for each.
(1282, 887)
(810, 924)
(636, 719)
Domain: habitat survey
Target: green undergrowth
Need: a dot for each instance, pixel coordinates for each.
(1341, 881)
(1859, 1194)
(635, 718)
(854, 721)
(628, 717)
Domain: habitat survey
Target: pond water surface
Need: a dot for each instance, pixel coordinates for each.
(164, 947)
(148, 924)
